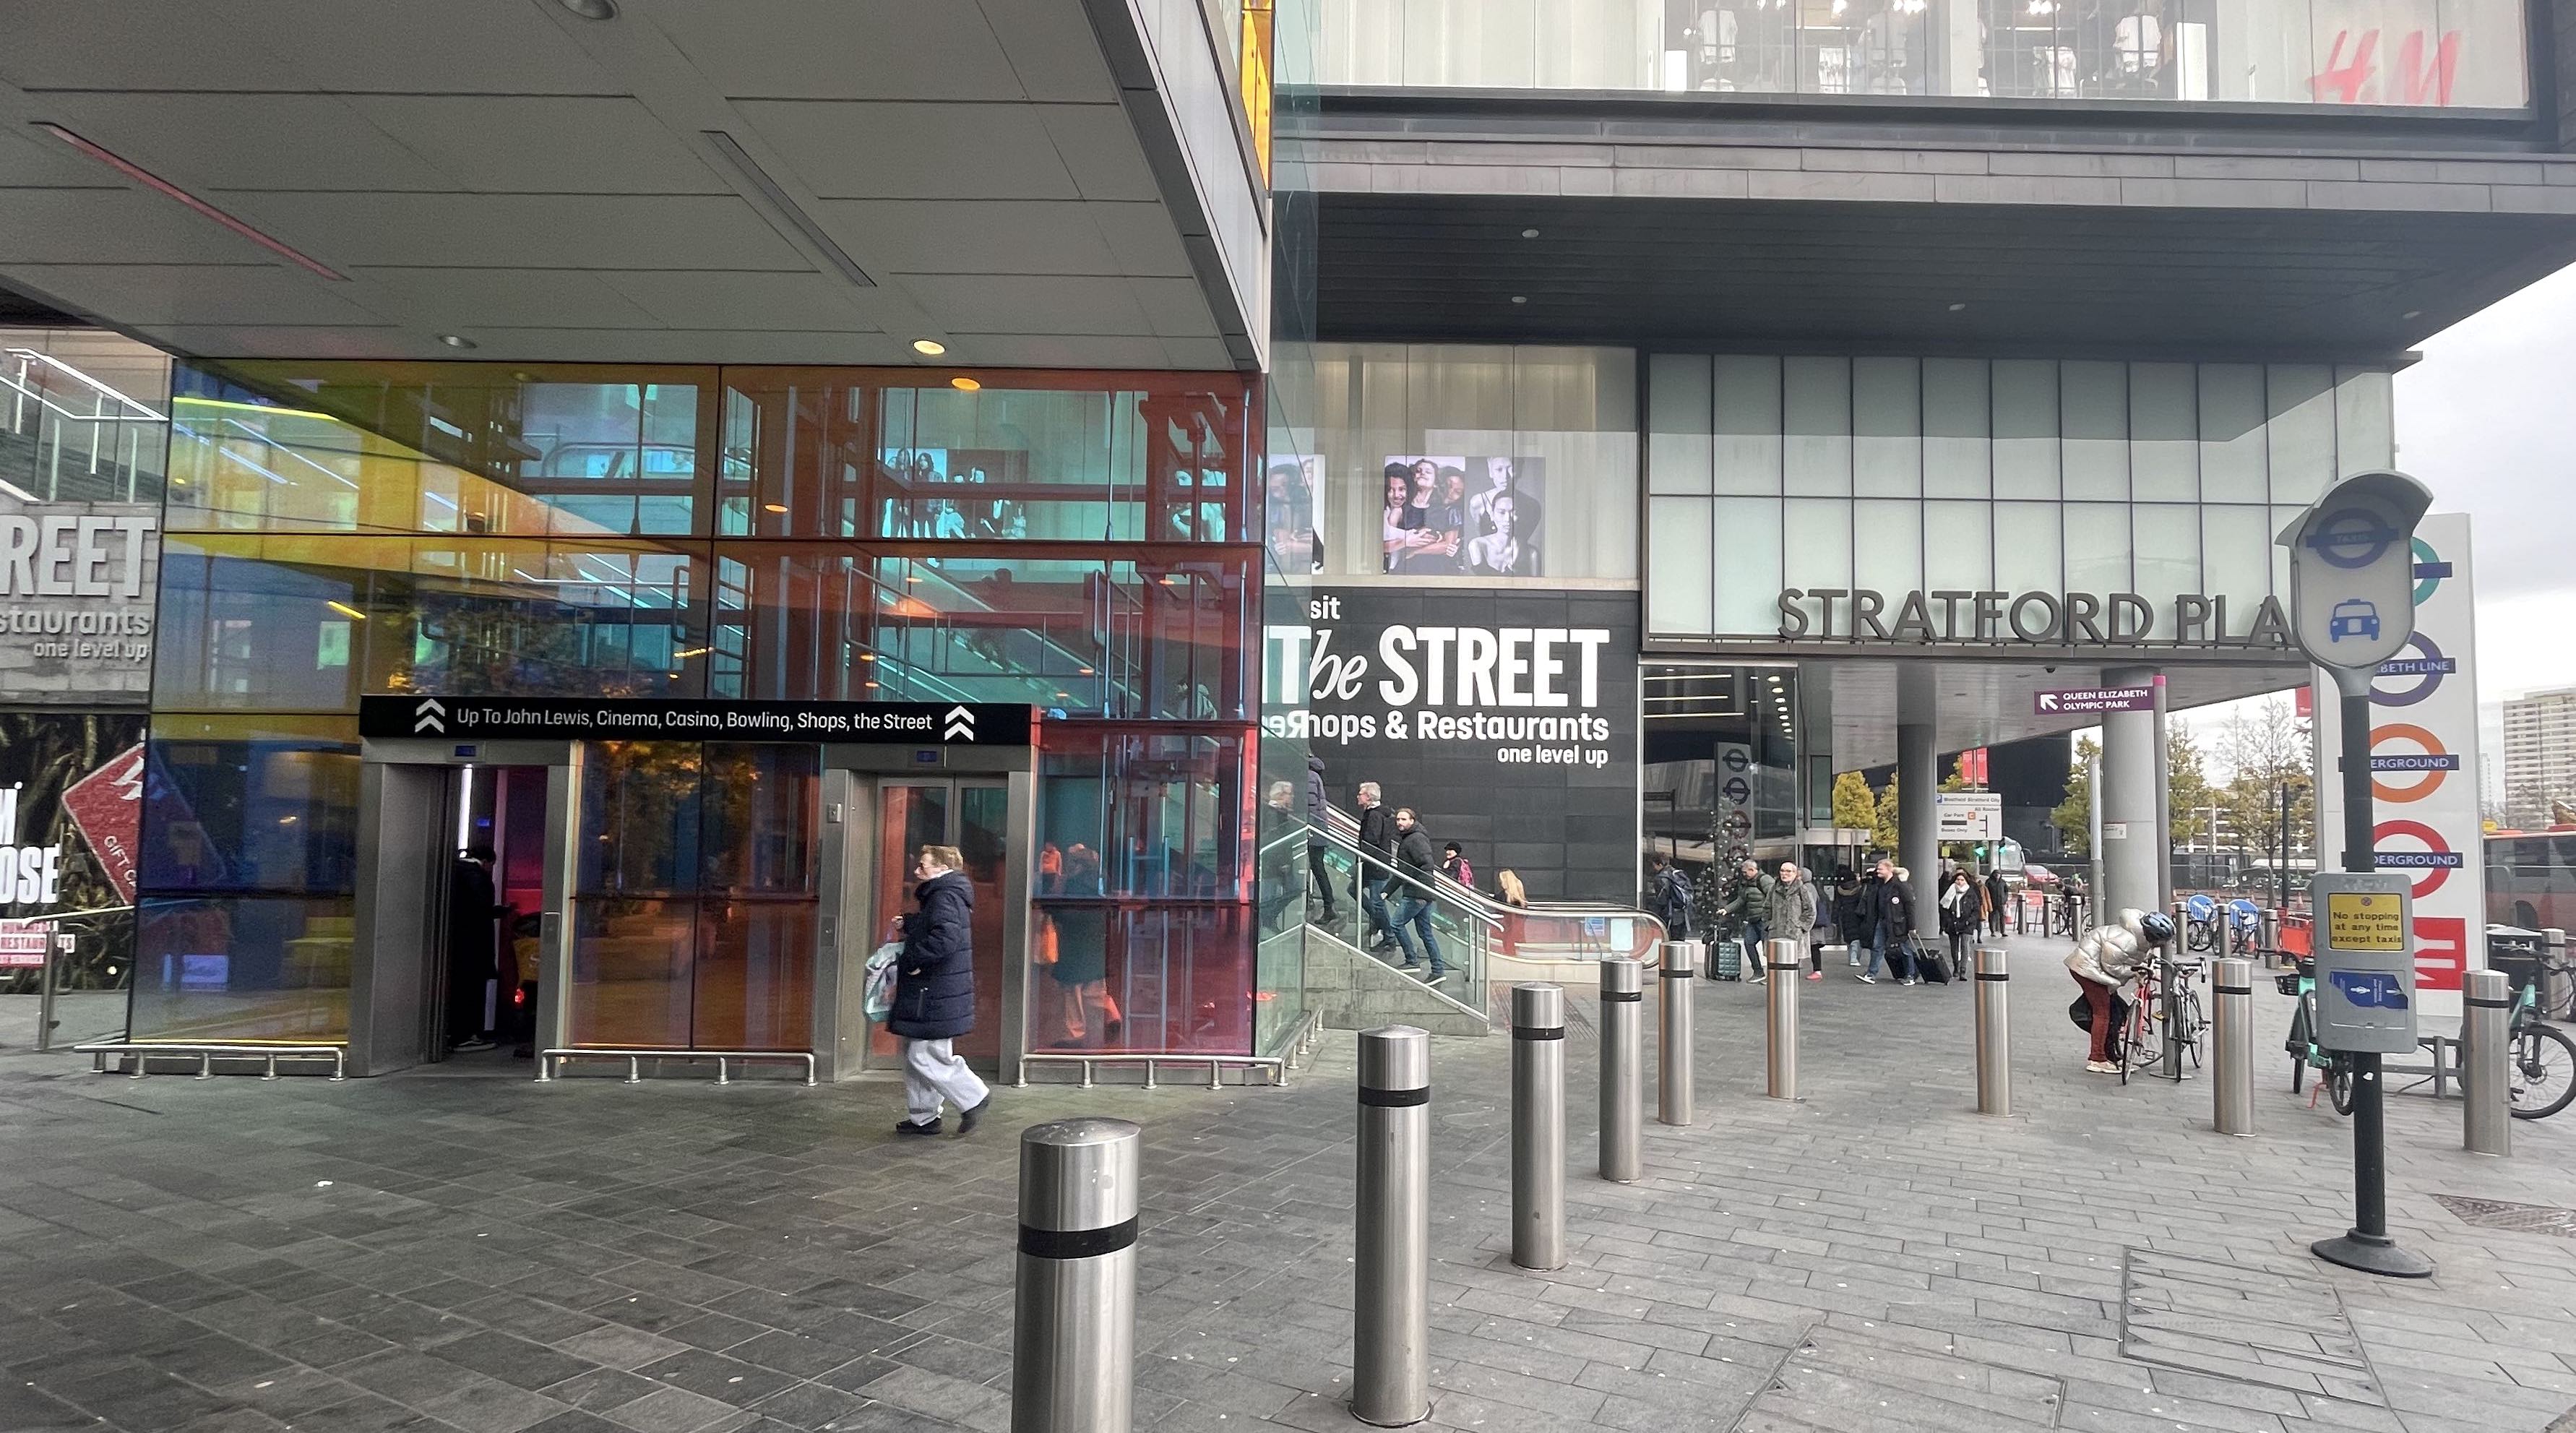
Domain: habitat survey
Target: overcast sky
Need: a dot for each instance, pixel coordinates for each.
(2488, 421)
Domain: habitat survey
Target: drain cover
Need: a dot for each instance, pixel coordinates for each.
(2242, 1321)
(2521, 1218)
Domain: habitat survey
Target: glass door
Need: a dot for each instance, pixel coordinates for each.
(969, 815)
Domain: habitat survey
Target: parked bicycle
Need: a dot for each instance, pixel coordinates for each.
(2540, 1061)
(2143, 1035)
(2244, 926)
(2333, 1067)
(2199, 922)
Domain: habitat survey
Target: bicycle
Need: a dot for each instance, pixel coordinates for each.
(2199, 923)
(2334, 1068)
(2540, 1060)
(2143, 1040)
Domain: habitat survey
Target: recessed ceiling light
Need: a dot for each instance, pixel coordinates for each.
(1520, 298)
(1529, 233)
(929, 347)
(1954, 308)
(455, 340)
(592, 9)
(867, 656)
(964, 384)
(773, 507)
(2412, 313)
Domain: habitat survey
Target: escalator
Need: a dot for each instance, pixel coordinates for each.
(1487, 946)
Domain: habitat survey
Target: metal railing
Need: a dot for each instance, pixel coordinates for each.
(142, 1052)
(1300, 1044)
(725, 1060)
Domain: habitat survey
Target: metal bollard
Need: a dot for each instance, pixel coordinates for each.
(2231, 1032)
(1994, 1033)
(1391, 1268)
(1782, 956)
(2270, 936)
(1073, 1358)
(1673, 1051)
(1538, 1126)
(2487, 1126)
(2553, 983)
(1623, 1069)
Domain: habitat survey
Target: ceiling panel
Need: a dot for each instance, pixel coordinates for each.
(490, 46)
(194, 293)
(1982, 703)
(682, 299)
(1176, 308)
(914, 151)
(975, 236)
(316, 341)
(1011, 303)
(1051, 48)
(112, 226)
(1099, 148)
(466, 300)
(215, 141)
(1142, 239)
(542, 143)
(563, 231)
(841, 49)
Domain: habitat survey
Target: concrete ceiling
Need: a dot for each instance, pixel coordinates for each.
(1980, 703)
(549, 187)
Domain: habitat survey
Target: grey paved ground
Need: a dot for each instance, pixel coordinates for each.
(492, 1255)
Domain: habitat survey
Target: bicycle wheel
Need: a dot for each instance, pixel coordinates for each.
(2302, 1022)
(2192, 1024)
(2540, 1072)
(2339, 1084)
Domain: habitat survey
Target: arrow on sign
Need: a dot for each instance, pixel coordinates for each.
(961, 724)
(426, 716)
(2048, 701)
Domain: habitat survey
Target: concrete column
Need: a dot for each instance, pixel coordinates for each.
(2135, 840)
(1918, 816)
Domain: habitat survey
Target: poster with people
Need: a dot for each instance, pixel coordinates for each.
(1464, 516)
(70, 822)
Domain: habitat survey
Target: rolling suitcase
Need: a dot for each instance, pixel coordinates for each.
(1726, 960)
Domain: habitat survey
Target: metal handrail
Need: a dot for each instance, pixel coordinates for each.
(1309, 1031)
(142, 1052)
(635, 1060)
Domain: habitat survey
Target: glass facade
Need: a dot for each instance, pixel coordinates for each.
(2012, 475)
(1478, 465)
(1082, 542)
(2466, 54)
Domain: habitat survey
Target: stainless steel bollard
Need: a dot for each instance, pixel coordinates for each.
(1782, 956)
(2270, 939)
(1073, 1358)
(1673, 1051)
(1994, 1033)
(1538, 1126)
(2231, 1038)
(2554, 983)
(1391, 1268)
(2487, 1126)
(1623, 1069)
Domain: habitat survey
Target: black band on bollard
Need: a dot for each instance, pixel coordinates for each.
(1683, 973)
(1786, 964)
(1076, 1243)
(2475, 1003)
(1536, 1032)
(1988, 975)
(2232, 989)
(1623, 997)
(1394, 1099)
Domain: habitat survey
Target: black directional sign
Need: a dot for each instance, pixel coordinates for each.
(444, 718)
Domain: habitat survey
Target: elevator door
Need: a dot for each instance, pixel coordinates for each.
(967, 814)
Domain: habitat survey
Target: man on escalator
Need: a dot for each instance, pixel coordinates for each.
(1369, 878)
(1319, 816)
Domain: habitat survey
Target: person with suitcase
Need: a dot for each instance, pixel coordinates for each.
(1888, 909)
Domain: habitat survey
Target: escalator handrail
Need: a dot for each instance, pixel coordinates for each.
(1342, 830)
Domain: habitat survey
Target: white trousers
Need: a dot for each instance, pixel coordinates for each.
(932, 1070)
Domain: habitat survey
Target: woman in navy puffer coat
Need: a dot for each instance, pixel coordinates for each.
(934, 996)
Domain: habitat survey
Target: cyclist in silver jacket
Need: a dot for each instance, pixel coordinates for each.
(2105, 959)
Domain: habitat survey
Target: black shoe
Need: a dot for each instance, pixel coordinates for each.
(908, 1127)
(968, 1119)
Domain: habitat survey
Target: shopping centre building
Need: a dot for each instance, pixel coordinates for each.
(704, 453)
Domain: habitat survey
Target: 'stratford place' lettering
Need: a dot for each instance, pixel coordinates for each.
(2120, 619)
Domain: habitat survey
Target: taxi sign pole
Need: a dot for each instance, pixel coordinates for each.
(2353, 602)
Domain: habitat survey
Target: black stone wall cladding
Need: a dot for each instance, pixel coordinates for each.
(1570, 831)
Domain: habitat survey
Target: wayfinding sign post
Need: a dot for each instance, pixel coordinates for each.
(2352, 607)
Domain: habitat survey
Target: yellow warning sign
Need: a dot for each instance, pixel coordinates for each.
(2359, 920)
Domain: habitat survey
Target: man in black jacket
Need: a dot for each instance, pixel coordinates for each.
(1414, 864)
(1377, 852)
(1887, 905)
(1998, 896)
(1318, 820)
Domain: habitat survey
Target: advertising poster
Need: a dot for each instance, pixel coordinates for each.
(2424, 766)
(77, 583)
(1506, 720)
(70, 820)
(1456, 516)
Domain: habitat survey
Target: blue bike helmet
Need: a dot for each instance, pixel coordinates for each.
(2156, 928)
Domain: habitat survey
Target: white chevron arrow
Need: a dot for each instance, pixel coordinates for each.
(427, 714)
(961, 724)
